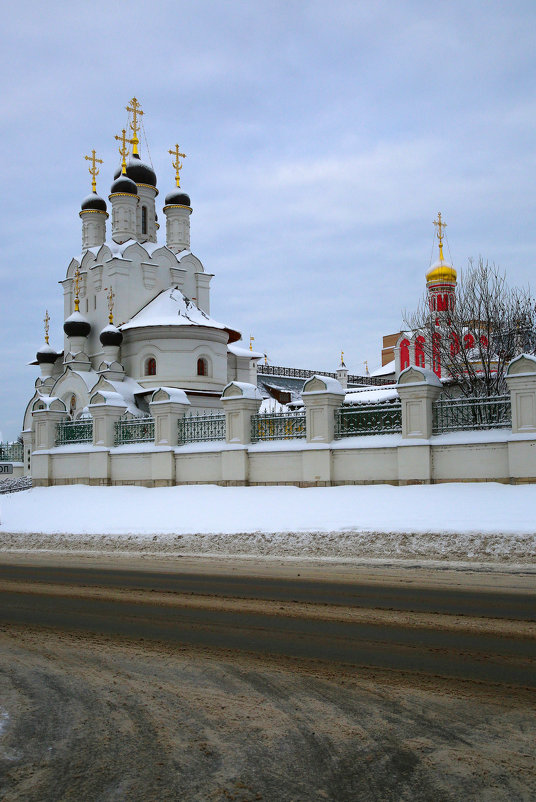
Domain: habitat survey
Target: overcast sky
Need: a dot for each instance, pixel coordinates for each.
(321, 141)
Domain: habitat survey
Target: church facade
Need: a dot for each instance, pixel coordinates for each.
(136, 311)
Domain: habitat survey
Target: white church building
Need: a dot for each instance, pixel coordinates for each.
(136, 311)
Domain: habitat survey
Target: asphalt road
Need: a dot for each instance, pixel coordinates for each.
(280, 683)
(464, 634)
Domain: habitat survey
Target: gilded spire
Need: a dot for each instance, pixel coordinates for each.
(111, 296)
(77, 289)
(251, 341)
(135, 108)
(123, 151)
(342, 360)
(93, 170)
(440, 226)
(46, 321)
(177, 164)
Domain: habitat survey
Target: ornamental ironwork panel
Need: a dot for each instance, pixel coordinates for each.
(74, 431)
(133, 430)
(368, 419)
(201, 427)
(278, 426)
(11, 452)
(456, 414)
(299, 373)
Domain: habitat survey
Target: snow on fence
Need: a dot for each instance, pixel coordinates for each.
(277, 426)
(358, 419)
(74, 431)
(201, 427)
(134, 430)
(456, 414)
(11, 452)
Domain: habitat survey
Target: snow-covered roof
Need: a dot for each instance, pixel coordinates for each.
(172, 308)
(238, 350)
(112, 398)
(371, 395)
(385, 370)
(175, 394)
(246, 390)
(331, 385)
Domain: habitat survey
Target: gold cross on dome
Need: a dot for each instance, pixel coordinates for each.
(111, 296)
(177, 164)
(440, 226)
(123, 151)
(251, 341)
(46, 321)
(77, 289)
(93, 170)
(135, 108)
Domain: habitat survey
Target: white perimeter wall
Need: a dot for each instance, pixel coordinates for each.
(495, 456)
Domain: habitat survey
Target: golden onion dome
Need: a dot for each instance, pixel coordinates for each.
(441, 272)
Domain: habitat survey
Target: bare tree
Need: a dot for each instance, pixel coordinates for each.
(474, 342)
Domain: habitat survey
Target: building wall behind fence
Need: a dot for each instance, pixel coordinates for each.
(381, 459)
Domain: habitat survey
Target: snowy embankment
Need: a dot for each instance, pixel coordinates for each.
(450, 521)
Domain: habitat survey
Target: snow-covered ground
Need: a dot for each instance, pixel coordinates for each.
(450, 521)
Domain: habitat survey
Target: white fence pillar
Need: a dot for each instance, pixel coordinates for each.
(521, 381)
(240, 401)
(46, 414)
(418, 388)
(322, 396)
(105, 413)
(167, 405)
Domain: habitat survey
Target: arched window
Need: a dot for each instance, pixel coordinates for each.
(144, 219)
(150, 366)
(72, 405)
(404, 354)
(468, 341)
(419, 352)
(454, 343)
(202, 366)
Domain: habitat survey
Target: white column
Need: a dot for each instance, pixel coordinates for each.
(418, 388)
(521, 381)
(105, 416)
(240, 401)
(322, 396)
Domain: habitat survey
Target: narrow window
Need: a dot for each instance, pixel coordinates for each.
(144, 219)
(419, 352)
(404, 354)
(150, 367)
(202, 367)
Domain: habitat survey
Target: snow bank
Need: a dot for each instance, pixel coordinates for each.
(451, 521)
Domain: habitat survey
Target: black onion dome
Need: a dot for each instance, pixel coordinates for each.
(93, 202)
(139, 172)
(76, 325)
(46, 355)
(124, 184)
(177, 198)
(110, 335)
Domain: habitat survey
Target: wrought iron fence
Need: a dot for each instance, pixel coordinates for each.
(277, 426)
(359, 419)
(74, 431)
(133, 430)
(299, 373)
(201, 427)
(11, 452)
(455, 414)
